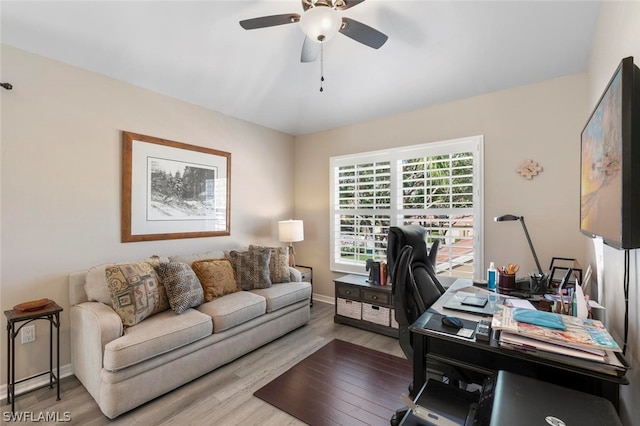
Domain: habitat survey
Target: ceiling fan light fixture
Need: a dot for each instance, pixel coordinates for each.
(320, 23)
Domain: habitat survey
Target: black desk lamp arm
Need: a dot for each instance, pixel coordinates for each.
(535, 256)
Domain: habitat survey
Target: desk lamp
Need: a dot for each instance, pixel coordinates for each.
(290, 231)
(540, 279)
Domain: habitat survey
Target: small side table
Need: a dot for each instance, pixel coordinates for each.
(51, 313)
(307, 276)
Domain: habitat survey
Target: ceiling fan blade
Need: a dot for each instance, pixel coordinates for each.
(363, 33)
(348, 4)
(269, 21)
(310, 50)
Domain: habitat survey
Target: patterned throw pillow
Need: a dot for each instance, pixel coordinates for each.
(216, 276)
(135, 293)
(278, 263)
(182, 285)
(252, 268)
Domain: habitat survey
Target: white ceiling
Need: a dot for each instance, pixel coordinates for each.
(196, 51)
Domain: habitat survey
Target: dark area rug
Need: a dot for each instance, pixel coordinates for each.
(341, 384)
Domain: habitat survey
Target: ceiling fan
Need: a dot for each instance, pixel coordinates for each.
(320, 22)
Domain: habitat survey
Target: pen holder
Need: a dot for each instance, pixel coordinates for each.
(506, 282)
(539, 283)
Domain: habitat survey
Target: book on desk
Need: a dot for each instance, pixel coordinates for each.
(585, 343)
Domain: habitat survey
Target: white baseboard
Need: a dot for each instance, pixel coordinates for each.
(324, 299)
(35, 382)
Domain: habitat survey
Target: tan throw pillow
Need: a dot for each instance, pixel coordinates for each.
(96, 285)
(216, 276)
(278, 263)
(252, 268)
(134, 291)
(182, 285)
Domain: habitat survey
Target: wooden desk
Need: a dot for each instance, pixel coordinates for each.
(486, 358)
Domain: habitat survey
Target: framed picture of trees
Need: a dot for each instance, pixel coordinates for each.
(173, 190)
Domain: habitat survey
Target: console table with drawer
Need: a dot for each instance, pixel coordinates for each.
(364, 305)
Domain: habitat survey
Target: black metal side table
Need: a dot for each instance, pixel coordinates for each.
(49, 312)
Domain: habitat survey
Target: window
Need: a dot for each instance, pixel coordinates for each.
(435, 185)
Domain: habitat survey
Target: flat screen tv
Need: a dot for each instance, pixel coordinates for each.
(610, 162)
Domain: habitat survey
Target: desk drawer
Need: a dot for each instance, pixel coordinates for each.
(348, 292)
(376, 297)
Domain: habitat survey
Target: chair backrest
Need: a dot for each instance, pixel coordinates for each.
(414, 236)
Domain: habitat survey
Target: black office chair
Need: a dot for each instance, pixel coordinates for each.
(415, 287)
(414, 290)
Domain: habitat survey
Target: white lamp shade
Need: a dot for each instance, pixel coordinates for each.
(320, 23)
(290, 231)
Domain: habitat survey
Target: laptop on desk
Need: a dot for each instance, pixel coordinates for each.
(477, 304)
(512, 399)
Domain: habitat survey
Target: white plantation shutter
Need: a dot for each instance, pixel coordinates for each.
(434, 185)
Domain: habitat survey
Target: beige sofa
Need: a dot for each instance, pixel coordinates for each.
(124, 367)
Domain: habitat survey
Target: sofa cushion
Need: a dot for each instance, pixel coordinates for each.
(278, 263)
(135, 292)
(284, 294)
(182, 284)
(252, 268)
(233, 309)
(155, 336)
(216, 276)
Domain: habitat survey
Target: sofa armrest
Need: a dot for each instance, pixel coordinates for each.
(93, 325)
(294, 275)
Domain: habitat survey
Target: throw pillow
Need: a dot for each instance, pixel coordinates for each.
(96, 285)
(216, 276)
(182, 285)
(252, 268)
(134, 291)
(278, 263)
(203, 255)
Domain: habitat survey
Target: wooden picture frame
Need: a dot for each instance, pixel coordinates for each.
(173, 190)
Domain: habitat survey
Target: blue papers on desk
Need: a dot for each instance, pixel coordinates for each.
(580, 333)
(545, 319)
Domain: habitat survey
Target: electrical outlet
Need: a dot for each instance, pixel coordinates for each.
(28, 334)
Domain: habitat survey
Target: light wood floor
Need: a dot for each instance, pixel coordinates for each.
(222, 397)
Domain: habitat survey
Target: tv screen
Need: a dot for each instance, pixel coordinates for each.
(610, 146)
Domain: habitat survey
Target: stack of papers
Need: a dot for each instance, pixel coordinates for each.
(584, 342)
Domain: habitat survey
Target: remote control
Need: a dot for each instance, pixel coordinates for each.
(483, 330)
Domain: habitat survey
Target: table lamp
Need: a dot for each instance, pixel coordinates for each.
(509, 217)
(290, 231)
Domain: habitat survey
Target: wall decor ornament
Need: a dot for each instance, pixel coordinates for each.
(173, 190)
(529, 169)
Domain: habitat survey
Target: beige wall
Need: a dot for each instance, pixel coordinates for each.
(61, 181)
(540, 122)
(618, 36)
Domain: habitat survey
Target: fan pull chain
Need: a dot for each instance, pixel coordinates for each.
(321, 66)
